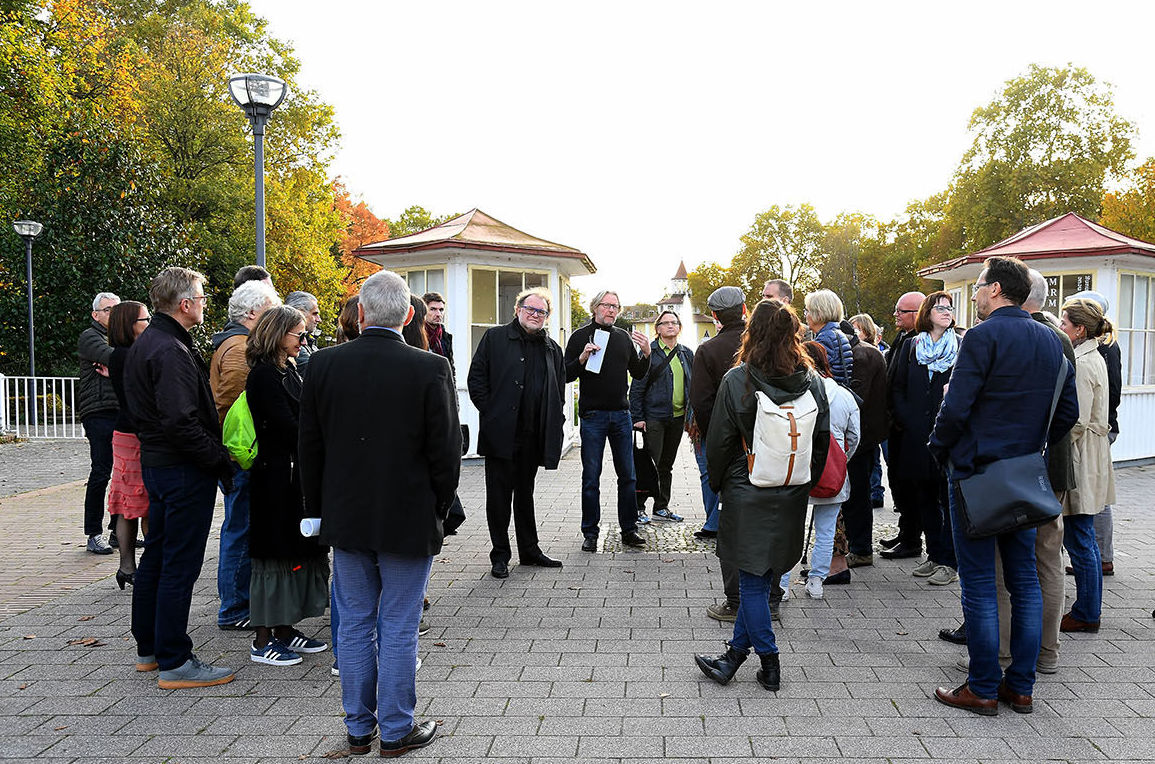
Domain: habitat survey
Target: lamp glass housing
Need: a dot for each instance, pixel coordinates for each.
(261, 91)
(28, 228)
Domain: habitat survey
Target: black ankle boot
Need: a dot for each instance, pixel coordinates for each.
(722, 668)
(770, 677)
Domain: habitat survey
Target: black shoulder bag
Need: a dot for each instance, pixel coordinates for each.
(1011, 494)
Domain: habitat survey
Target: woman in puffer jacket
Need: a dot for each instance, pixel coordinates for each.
(822, 314)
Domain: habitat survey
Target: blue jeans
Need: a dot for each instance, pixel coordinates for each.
(709, 498)
(234, 568)
(334, 615)
(976, 568)
(98, 429)
(752, 627)
(180, 513)
(877, 491)
(380, 597)
(596, 428)
(1079, 539)
(825, 523)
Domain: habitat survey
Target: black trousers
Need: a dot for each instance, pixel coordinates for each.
(907, 495)
(509, 486)
(98, 429)
(663, 436)
(857, 511)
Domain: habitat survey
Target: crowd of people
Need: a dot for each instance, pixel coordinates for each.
(370, 470)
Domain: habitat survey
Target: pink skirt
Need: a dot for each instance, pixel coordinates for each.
(126, 494)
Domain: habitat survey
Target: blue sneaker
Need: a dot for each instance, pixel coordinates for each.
(665, 514)
(301, 644)
(643, 518)
(274, 654)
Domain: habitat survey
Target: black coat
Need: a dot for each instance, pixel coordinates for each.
(915, 398)
(276, 506)
(380, 445)
(166, 385)
(868, 381)
(496, 382)
(714, 358)
(94, 395)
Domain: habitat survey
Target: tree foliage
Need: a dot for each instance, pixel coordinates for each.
(782, 243)
(1131, 211)
(703, 281)
(415, 219)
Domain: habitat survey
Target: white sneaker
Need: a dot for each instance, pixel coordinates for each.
(785, 593)
(925, 568)
(814, 587)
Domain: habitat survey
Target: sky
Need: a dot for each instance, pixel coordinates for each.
(644, 133)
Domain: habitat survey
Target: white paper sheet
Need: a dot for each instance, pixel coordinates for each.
(594, 362)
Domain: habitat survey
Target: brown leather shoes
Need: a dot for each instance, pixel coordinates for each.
(1020, 704)
(1070, 624)
(966, 700)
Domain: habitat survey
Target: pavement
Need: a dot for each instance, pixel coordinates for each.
(590, 662)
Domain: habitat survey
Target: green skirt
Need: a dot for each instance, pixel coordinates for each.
(284, 592)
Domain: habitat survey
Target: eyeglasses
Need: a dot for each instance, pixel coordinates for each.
(980, 284)
(899, 311)
(146, 320)
(103, 310)
(202, 297)
(943, 308)
(536, 311)
(301, 336)
(609, 306)
(668, 323)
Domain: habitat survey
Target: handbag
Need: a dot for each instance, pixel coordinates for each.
(833, 476)
(645, 472)
(1011, 494)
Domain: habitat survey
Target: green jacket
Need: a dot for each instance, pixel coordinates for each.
(761, 529)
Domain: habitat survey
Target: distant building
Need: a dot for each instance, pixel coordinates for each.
(479, 265)
(696, 327)
(1074, 255)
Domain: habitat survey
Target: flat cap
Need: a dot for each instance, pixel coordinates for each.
(725, 297)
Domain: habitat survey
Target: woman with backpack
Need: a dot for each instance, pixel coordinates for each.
(761, 529)
(290, 580)
(922, 367)
(845, 428)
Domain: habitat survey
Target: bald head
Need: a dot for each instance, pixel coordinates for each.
(906, 310)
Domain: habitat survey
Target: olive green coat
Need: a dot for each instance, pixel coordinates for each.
(761, 529)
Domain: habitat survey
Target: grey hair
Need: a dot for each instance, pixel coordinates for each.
(172, 285)
(302, 301)
(601, 296)
(103, 296)
(1038, 293)
(251, 296)
(385, 300)
(540, 292)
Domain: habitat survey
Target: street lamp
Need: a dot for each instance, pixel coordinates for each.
(258, 95)
(29, 230)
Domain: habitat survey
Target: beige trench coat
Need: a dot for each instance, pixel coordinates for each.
(1090, 448)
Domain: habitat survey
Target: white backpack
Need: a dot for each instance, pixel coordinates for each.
(783, 436)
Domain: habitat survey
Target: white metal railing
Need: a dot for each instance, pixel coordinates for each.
(39, 407)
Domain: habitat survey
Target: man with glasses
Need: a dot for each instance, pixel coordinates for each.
(660, 407)
(909, 536)
(166, 385)
(228, 373)
(96, 407)
(605, 412)
(307, 304)
(517, 383)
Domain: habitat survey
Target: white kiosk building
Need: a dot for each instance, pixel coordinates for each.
(1075, 255)
(479, 265)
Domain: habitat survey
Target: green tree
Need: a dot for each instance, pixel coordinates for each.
(579, 315)
(413, 220)
(783, 242)
(703, 281)
(1045, 146)
(1131, 211)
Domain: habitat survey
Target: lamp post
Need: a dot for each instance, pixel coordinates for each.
(258, 95)
(29, 230)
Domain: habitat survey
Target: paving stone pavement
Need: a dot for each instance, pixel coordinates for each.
(591, 662)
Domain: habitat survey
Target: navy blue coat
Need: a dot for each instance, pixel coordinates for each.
(1000, 393)
(838, 352)
(652, 396)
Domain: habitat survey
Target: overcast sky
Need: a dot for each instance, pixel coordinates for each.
(645, 133)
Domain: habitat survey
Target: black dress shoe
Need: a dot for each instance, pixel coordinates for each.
(901, 551)
(837, 579)
(889, 543)
(705, 534)
(500, 570)
(359, 744)
(955, 636)
(542, 561)
(590, 544)
(420, 736)
(633, 539)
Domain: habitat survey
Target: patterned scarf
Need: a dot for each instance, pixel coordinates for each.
(936, 356)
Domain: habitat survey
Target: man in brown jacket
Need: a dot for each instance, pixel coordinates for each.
(711, 362)
(228, 373)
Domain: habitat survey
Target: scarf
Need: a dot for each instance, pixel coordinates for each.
(936, 356)
(433, 333)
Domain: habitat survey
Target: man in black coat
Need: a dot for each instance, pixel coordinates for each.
(908, 542)
(96, 408)
(868, 381)
(166, 387)
(517, 383)
(380, 450)
(440, 340)
(605, 413)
